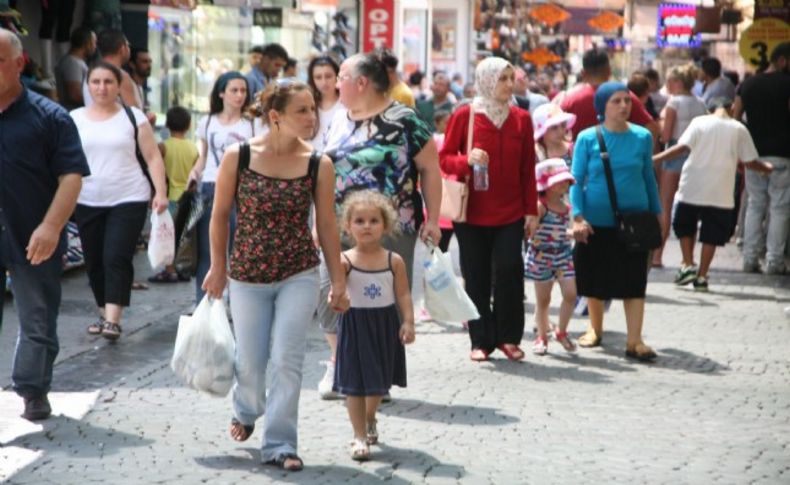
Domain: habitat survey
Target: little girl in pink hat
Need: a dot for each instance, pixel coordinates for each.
(550, 253)
(551, 124)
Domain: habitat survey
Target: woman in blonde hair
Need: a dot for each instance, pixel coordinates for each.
(682, 107)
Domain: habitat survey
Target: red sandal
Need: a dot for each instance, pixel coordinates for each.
(478, 355)
(512, 351)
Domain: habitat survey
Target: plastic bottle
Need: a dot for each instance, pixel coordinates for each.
(480, 180)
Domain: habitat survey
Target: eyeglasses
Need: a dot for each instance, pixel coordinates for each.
(345, 77)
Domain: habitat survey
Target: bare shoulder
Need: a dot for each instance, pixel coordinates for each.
(397, 261)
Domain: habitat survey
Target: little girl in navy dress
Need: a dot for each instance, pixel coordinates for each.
(370, 353)
(550, 253)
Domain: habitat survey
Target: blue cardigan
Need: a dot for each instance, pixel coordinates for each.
(630, 154)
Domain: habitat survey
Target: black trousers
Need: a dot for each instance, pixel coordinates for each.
(56, 13)
(109, 238)
(479, 247)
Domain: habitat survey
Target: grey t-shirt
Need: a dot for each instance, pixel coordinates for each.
(69, 69)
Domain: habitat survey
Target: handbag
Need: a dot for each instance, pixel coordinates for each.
(638, 230)
(455, 194)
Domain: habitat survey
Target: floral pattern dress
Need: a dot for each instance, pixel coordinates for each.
(378, 153)
(272, 240)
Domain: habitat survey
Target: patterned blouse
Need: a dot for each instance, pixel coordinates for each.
(272, 240)
(378, 153)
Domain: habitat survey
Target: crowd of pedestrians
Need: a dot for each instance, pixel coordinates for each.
(315, 195)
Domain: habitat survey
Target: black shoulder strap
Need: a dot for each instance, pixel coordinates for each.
(389, 262)
(244, 162)
(350, 264)
(312, 169)
(137, 152)
(607, 168)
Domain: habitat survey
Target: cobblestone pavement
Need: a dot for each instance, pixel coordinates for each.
(714, 408)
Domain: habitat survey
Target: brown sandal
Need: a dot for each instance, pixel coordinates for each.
(641, 352)
(111, 331)
(96, 327)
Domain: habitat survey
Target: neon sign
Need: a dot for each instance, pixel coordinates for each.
(676, 24)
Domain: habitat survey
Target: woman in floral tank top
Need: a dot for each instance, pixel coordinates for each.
(274, 266)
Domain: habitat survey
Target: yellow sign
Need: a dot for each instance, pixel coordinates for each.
(759, 40)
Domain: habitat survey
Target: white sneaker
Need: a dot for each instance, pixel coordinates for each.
(325, 386)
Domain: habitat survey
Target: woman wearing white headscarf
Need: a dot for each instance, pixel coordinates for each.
(499, 218)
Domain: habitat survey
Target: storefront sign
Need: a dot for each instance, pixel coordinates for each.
(606, 21)
(444, 31)
(676, 24)
(378, 24)
(541, 56)
(759, 40)
(267, 17)
(778, 9)
(549, 14)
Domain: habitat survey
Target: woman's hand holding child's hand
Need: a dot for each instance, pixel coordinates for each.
(338, 299)
(407, 333)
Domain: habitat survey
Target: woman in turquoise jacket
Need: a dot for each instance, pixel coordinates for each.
(604, 268)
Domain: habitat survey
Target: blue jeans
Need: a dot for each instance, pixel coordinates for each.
(271, 322)
(769, 195)
(37, 298)
(203, 239)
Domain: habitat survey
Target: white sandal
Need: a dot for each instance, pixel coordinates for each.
(373, 433)
(360, 450)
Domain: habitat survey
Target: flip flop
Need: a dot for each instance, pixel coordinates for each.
(478, 355)
(137, 285)
(280, 462)
(248, 429)
(512, 351)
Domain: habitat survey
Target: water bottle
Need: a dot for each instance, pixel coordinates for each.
(480, 180)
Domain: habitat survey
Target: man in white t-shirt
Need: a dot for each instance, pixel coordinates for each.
(715, 143)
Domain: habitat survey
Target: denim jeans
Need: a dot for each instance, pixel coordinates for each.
(768, 195)
(203, 239)
(37, 298)
(271, 322)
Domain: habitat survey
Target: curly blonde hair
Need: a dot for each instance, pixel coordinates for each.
(686, 74)
(370, 198)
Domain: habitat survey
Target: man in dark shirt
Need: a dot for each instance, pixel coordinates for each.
(766, 100)
(41, 170)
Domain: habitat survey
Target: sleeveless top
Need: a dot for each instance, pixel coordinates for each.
(551, 234)
(371, 289)
(272, 239)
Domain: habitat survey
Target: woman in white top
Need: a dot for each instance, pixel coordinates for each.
(225, 125)
(113, 203)
(322, 78)
(681, 108)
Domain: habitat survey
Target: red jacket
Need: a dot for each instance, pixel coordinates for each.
(511, 193)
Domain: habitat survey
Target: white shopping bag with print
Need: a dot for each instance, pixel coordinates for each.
(445, 298)
(162, 244)
(205, 349)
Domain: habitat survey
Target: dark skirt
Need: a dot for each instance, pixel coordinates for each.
(370, 355)
(605, 270)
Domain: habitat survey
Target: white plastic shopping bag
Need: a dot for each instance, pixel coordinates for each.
(445, 298)
(162, 244)
(205, 349)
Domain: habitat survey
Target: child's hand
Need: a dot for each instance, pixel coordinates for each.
(339, 301)
(407, 333)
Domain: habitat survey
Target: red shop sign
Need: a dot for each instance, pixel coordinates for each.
(378, 24)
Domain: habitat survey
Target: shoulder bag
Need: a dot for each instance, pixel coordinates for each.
(137, 152)
(638, 230)
(455, 194)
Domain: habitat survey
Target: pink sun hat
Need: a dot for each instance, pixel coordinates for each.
(550, 172)
(547, 115)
